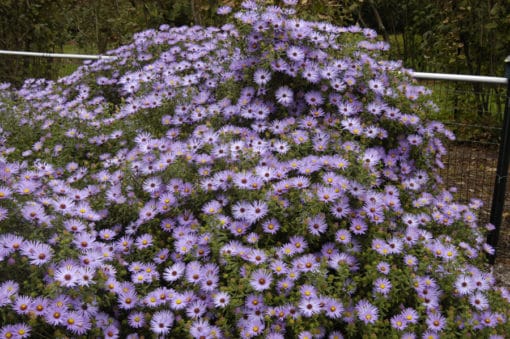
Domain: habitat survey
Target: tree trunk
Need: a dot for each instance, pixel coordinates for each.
(380, 24)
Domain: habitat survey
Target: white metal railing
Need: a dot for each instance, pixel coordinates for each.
(460, 77)
(58, 55)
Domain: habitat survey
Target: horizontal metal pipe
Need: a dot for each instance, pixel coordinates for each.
(459, 77)
(58, 55)
(416, 75)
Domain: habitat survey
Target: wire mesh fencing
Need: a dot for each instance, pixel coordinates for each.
(474, 112)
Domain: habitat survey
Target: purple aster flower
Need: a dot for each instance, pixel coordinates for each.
(306, 263)
(265, 172)
(136, 319)
(317, 224)
(308, 122)
(271, 226)
(165, 202)
(343, 236)
(298, 243)
(353, 125)
(252, 238)
(55, 315)
(371, 157)
(340, 209)
(162, 322)
(196, 309)
(261, 280)
(200, 328)
(410, 315)
(144, 241)
(332, 308)
(240, 210)
(314, 98)
(308, 291)
(410, 260)
(435, 321)
(40, 305)
(261, 77)
(162, 256)
(469, 217)
(8, 289)
(348, 108)
(335, 335)
(311, 73)
(479, 301)
(358, 226)
(34, 212)
(209, 282)
(464, 284)
(5, 192)
(395, 245)
(309, 307)
(67, 275)
(224, 10)
(279, 65)
(180, 301)
(337, 260)
(239, 228)
(449, 252)
(383, 267)
(376, 86)
(491, 319)
(254, 327)
(20, 330)
(76, 323)
(295, 53)
(63, 205)
(128, 299)
(305, 335)
(38, 253)
(256, 256)
(281, 147)
(111, 331)
(221, 299)
(398, 322)
(327, 194)
(194, 272)
(256, 211)
(255, 302)
(212, 207)
(74, 225)
(23, 304)
(382, 286)
(488, 249)
(429, 334)
(300, 137)
(279, 267)
(367, 312)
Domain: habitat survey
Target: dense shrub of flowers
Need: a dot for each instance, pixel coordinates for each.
(271, 178)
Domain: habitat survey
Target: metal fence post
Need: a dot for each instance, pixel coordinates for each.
(498, 198)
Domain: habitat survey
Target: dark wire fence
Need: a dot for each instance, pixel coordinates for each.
(477, 161)
(474, 108)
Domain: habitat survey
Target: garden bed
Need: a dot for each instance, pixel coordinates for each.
(200, 185)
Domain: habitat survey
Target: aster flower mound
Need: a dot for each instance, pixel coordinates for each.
(272, 178)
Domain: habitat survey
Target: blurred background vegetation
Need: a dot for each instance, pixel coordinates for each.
(456, 36)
